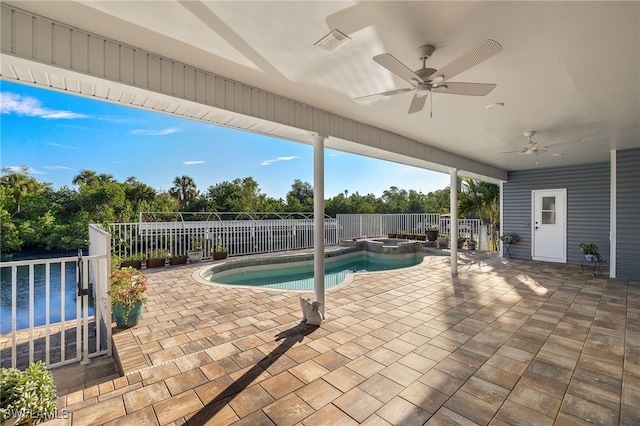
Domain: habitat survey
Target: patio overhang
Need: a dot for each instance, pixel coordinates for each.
(89, 65)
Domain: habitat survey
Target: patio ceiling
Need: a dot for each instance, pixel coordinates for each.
(568, 70)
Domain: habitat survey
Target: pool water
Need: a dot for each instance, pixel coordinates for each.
(301, 277)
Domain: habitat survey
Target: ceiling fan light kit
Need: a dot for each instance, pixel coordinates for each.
(429, 80)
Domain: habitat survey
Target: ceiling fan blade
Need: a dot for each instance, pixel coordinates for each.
(558, 144)
(469, 89)
(473, 57)
(418, 101)
(398, 68)
(389, 93)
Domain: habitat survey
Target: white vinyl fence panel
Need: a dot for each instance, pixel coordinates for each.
(239, 237)
(376, 225)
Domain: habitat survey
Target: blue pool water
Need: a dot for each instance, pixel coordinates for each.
(301, 277)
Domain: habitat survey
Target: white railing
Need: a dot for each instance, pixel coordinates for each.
(52, 318)
(239, 237)
(375, 225)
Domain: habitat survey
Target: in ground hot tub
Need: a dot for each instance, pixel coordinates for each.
(393, 246)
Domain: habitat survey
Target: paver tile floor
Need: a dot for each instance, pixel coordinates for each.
(505, 342)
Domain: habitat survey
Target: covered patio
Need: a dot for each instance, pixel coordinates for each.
(505, 342)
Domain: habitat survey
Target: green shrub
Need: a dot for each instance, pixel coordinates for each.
(27, 394)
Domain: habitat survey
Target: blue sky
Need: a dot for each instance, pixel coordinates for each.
(56, 135)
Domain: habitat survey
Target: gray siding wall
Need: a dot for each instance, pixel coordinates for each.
(588, 190)
(628, 214)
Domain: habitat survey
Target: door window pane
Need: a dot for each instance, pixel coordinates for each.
(548, 210)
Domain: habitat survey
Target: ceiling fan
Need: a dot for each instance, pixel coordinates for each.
(427, 80)
(530, 148)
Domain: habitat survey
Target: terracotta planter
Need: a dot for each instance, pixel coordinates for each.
(131, 319)
(392, 235)
(178, 260)
(218, 255)
(156, 262)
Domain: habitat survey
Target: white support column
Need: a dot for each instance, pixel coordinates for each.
(501, 232)
(454, 221)
(613, 214)
(318, 221)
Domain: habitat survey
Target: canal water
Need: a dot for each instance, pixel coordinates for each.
(56, 292)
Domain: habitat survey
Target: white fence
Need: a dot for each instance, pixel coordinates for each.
(375, 225)
(55, 306)
(239, 237)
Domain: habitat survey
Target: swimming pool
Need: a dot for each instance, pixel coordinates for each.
(299, 275)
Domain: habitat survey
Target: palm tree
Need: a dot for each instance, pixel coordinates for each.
(480, 199)
(85, 177)
(184, 190)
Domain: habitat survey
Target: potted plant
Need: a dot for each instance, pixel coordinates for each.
(28, 397)
(220, 251)
(432, 232)
(392, 235)
(508, 240)
(421, 237)
(443, 240)
(196, 253)
(589, 250)
(135, 261)
(177, 259)
(470, 244)
(157, 258)
(128, 295)
(402, 234)
(461, 241)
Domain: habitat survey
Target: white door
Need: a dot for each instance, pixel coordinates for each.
(548, 225)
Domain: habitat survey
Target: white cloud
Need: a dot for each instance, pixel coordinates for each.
(56, 167)
(11, 103)
(270, 162)
(20, 169)
(160, 132)
(61, 146)
(188, 163)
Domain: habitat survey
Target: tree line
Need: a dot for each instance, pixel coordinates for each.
(34, 215)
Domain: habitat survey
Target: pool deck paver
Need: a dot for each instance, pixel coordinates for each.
(505, 342)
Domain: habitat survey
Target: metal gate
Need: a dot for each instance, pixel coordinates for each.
(56, 310)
